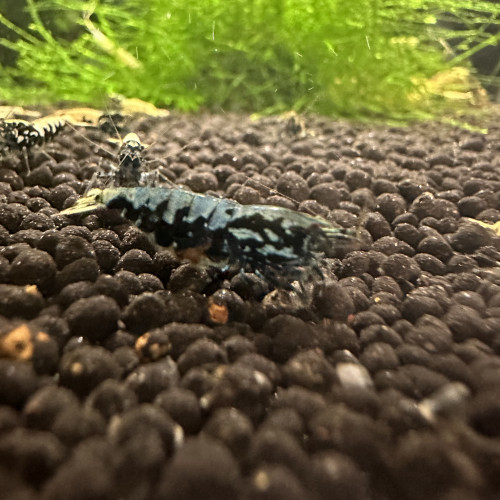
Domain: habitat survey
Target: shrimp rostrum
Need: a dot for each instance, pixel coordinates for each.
(273, 242)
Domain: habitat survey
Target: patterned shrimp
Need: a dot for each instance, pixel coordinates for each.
(130, 162)
(275, 243)
(22, 135)
(129, 168)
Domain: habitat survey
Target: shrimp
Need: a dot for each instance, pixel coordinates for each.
(275, 243)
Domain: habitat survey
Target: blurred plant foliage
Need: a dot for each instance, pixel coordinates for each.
(361, 59)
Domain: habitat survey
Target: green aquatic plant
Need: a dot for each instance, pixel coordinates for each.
(369, 58)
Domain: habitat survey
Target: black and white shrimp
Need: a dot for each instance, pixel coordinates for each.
(128, 172)
(130, 167)
(22, 135)
(275, 243)
(130, 162)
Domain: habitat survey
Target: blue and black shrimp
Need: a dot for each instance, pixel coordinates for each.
(275, 243)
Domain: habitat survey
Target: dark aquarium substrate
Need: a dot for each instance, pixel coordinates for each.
(126, 373)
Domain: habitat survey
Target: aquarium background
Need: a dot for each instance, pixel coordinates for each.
(366, 59)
